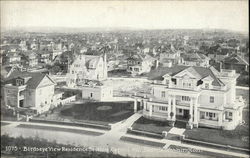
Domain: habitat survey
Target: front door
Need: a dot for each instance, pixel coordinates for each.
(186, 113)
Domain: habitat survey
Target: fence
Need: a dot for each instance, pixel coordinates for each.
(68, 100)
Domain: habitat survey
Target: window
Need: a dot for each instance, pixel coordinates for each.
(163, 108)
(207, 86)
(180, 110)
(206, 113)
(45, 102)
(185, 98)
(210, 114)
(19, 82)
(163, 94)
(72, 72)
(91, 95)
(230, 114)
(167, 83)
(138, 62)
(211, 99)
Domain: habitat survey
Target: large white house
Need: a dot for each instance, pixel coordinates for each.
(87, 67)
(27, 90)
(199, 96)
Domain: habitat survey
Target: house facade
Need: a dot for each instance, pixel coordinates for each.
(170, 56)
(86, 67)
(24, 90)
(137, 64)
(97, 91)
(198, 96)
(236, 62)
(195, 59)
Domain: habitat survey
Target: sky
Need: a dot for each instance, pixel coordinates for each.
(230, 15)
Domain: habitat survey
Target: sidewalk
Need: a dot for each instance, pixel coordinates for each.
(171, 142)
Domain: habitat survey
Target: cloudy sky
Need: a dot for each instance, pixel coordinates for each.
(232, 15)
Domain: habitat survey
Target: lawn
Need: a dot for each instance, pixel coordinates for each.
(100, 112)
(142, 142)
(238, 137)
(144, 124)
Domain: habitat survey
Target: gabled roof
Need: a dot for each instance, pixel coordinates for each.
(33, 82)
(137, 57)
(236, 59)
(194, 57)
(199, 72)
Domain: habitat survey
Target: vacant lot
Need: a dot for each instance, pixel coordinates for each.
(100, 112)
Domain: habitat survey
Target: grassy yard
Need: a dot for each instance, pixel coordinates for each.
(142, 142)
(144, 124)
(101, 112)
(238, 137)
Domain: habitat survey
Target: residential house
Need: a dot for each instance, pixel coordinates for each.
(199, 96)
(170, 56)
(87, 67)
(236, 62)
(56, 53)
(220, 54)
(95, 90)
(24, 90)
(11, 58)
(29, 59)
(195, 59)
(138, 64)
(44, 57)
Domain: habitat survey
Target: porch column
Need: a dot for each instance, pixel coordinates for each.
(220, 118)
(144, 105)
(174, 107)
(234, 117)
(191, 110)
(141, 105)
(18, 106)
(169, 107)
(195, 112)
(135, 105)
(150, 110)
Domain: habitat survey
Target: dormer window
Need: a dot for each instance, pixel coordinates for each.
(167, 83)
(173, 80)
(207, 85)
(19, 82)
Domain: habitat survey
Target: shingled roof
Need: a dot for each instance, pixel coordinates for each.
(33, 81)
(200, 72)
